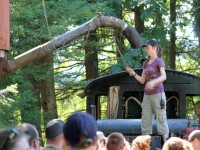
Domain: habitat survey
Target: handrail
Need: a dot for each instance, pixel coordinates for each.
(126, 104)
(177, 104)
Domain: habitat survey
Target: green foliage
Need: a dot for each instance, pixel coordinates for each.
(20, 106)
(190, 106)
(131, 57)
(8, 108)
(196, 11)
(29, 29)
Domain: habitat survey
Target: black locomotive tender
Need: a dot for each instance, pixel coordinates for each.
(126, 113)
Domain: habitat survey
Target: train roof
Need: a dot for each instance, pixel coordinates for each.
(173, 76)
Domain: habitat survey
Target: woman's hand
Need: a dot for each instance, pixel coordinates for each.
(130, 71)
(140, 79)
(150, 85)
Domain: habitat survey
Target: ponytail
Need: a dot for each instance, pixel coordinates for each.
(159, 51)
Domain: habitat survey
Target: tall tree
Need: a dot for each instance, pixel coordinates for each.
(29, 105)
(28, 25)
(139, 23)
(172, 50)
(196, 6)
(91, 56)
(197, 17)
(46, 88)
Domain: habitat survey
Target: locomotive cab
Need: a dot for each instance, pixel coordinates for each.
(115, 101)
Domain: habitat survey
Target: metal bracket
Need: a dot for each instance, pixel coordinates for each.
(6, 66)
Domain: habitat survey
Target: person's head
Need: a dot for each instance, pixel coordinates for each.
(142, 142)
(80, 131)
(187, 132)
(176, 143)
(115, 141)
(194, 139)
(101, 140)
(13, 139)
(197, 109)
(54, 128)
(54, 132)
(32, 134)
(152, 47)
(127, 145)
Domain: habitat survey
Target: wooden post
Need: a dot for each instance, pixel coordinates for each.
(4, 27)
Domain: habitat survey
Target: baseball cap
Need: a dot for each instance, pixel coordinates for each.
(100, 136)
(79, 125)
(150, 42)
(54, 128)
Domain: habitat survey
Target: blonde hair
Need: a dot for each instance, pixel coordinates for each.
(176, 143)
(142, 142)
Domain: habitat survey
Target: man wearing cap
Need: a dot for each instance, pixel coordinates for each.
(115, 141)
(54, 133)
(80, 131)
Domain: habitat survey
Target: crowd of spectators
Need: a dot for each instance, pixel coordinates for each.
(80, 132)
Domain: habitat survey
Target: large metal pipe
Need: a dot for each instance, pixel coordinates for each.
(100, 21)
(42, 50)
(133, 126)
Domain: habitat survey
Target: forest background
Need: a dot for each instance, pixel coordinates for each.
(51, 87)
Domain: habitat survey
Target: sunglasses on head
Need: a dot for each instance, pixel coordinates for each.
(13, 133)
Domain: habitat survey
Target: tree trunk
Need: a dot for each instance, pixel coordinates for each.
(36, 121)
(139, 23)
(165, 47)
(197, 24)
(91, 56)
(47, 90)
(172, 50)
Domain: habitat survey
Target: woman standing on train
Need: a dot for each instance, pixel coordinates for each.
(154, 100)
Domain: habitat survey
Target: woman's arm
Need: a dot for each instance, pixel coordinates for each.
(162, 77)
(140, 79)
